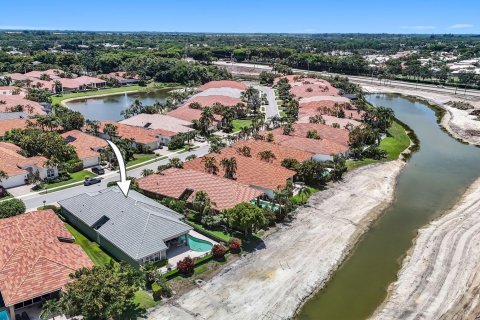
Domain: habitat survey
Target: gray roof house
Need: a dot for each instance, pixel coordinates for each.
(135, 229)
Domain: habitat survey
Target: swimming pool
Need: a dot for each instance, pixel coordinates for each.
(4, 315)
(197, 245)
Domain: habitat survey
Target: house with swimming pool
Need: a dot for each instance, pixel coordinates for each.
(134, 229)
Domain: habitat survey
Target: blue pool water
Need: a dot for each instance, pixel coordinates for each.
(197, 245)
(4, 315)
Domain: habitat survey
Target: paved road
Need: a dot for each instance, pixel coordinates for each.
(36, 200)
(471, 93)
(271, 109)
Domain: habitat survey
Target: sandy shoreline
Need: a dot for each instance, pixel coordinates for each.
(457, 122)
(298, 259)
(440, 277)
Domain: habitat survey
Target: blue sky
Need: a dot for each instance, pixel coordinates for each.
(293, 16)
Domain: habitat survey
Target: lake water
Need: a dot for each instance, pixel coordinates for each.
(434, 178)
(109, 107)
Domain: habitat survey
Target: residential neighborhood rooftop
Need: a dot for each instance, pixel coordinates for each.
(141, 135)
(223, 83)
(188, 114)
(250, 171)
(159, 121)
(9, 124)
(177, 183)
(12, 101)
(136, 225)
(281, 152)
(34, 260)
(12, 163)
(85, 144)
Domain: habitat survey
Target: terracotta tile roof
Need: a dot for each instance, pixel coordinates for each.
(159, 121)
(329, 120)
(280, 152)
(339, 136)
(12, 163)
(42, 84)
(225, 193)
(14, 100)
(250, 171)
(141, 135)
(207, 101)
(70, 83)
(85, 144)
(17, 76)
(33, 261)
(53, 73)
(86, 80)
(324, 146)
(312, 90)
(223, 83)
(318, 107)
(7, 125)
(188, 114)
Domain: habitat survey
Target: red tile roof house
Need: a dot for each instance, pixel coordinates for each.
(208, 101)
(37, 255)
(223, 84)
(184, 184)
(281, 152)
(86, 146)
(253, 172)
(7, 102)
(17, 167)
(9, 124)
(312, 108)
(122, 77)
(332, 140)
(159, 121)
(153, 138)
(188, 114)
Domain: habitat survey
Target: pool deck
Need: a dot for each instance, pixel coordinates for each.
(180, 253)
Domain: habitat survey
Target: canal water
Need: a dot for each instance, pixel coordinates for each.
(433, 179)
(109, 107)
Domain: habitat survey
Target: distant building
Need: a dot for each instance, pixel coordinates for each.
(134, 229)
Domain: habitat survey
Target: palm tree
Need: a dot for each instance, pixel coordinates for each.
(202, 203)
(288, 128)
(230, 167)
(210, 164)
(267, 155)
(244, 132)
(304, 191)
(147, 172)
(110, 129)
(49, 309)
(175, 163)
(3, 176)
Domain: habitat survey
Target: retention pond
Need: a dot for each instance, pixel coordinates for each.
(429, 185)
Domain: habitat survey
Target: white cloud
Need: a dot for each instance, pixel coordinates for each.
(461, 26)
(418, 27)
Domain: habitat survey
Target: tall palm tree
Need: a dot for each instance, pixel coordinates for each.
(267, 155)
(3, 176)
(50, 308)
(230, 167)
(175, 163)
(210, 164)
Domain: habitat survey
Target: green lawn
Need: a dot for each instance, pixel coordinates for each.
(144, 300)
(139, 158)
(240, 123)
(215, 233)
(394, 145)
(74, 177)
(59, 99)
(299, 199)
(92, 249)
